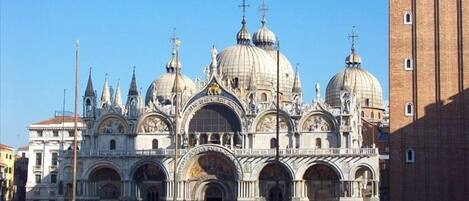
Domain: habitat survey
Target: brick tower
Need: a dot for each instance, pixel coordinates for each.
(429, 99)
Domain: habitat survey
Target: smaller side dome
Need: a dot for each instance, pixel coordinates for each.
(162, 88)
(353, 59)
(243, 36)
(264, 37)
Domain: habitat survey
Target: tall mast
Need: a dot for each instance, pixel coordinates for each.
(176, 44)
(75, 144)
(277, 125)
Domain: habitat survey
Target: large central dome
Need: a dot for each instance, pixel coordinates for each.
(239, 62)
(244, 63)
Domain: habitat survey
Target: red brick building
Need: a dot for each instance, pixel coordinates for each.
(429, 99)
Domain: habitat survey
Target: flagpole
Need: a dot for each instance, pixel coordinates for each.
(75, 145)
(277, 126)
(176, 117)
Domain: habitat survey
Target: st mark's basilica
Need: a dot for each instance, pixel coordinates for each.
(226, 125)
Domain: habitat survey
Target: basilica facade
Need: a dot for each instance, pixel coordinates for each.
(226, 126)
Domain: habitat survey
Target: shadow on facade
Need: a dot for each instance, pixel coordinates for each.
(429, 156)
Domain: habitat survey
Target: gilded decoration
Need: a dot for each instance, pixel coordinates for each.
(211, 164)
(112, 126)
(267, 124)
(153, 124)
(316, 123)
(213, 89)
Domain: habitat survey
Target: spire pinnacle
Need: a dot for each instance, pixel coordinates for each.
(133, 91)
(89, 86)
(214, 63)
(106, 94)
(117, 96)
(297, 82)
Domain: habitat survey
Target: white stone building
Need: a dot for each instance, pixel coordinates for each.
(46, 139)
(226, 127)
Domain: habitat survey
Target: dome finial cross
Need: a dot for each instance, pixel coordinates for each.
(263, 9)
(353, 36)
(244, 5)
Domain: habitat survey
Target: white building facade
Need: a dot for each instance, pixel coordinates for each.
(227, 136)
(46, 139)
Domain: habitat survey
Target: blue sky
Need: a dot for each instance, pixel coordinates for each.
(37, 45)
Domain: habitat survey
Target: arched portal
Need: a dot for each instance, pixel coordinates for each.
(212, 124)
(108, 183)
(364, 186)
(149, 180)
(212, 176)
(213, 192)
(322, 183)
(275, 182)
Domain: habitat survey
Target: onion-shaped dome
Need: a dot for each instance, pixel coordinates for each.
(163, 88)
(353, 59)
(264, 37)
(243, 36)
(356, 80)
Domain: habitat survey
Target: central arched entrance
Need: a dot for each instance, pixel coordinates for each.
(108, 183)
(149, 180)
(211, 176)
(322, 183)
(215, 124)
(274, 182)
(213, 192)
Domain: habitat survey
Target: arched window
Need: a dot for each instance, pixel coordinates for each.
(363, 114)
(318, 143)
(409, 109)
(367, 102)
(407, 17)
(379, 115)
(409, 155)
(372, 115)
(408, 64)
(273, 143)
(154, 144)
(112, 145)
(264, 97)
(235, 83)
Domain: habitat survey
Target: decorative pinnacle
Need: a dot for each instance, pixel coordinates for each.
(353, 36)
(263, 9)
(244, 5)
(133, 70)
